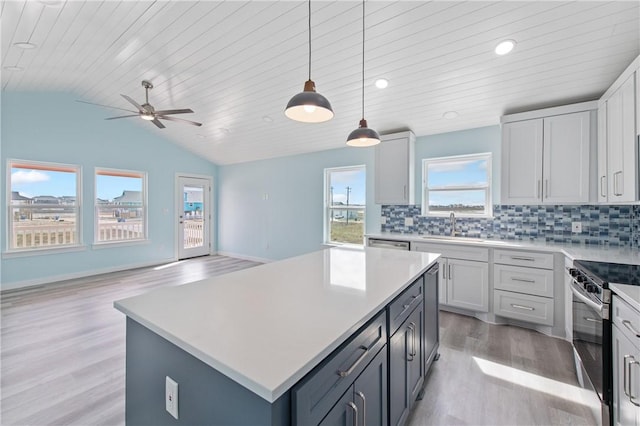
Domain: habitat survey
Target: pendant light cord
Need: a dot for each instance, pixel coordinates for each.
(363, 59)
(309, 39)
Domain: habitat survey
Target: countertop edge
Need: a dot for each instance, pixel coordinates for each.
(624, 292)
(269, 395)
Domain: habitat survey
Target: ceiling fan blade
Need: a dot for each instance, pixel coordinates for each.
(157, 123)
(106, 106)
(180, 120)
(174, 111)
(123, 116)
(134, 103)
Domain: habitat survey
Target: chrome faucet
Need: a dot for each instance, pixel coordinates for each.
(452, 219)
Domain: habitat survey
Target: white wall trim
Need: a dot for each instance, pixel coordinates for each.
(244, 257)
(51, 280)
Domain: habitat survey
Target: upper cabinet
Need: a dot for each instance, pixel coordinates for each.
(394, 169)
(546, 155)
(619, 119)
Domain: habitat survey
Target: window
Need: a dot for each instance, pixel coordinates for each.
(459, 184)
(44, 205)
(345, 195)
(121, 206)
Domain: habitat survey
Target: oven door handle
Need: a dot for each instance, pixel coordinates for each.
(587, 301)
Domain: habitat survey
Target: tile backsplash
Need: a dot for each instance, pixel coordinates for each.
(601, 224)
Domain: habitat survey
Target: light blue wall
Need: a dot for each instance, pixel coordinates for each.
(52, 127)
(290, 221)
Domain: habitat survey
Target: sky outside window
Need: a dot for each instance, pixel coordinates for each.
(354, 179)
(32, 183)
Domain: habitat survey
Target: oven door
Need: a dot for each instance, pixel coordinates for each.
(592, 344)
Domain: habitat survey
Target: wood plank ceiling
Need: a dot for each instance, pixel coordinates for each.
(236, 64)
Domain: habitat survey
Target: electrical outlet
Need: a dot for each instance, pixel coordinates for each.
(383, 220)
(171, 397)
(576, 227)
(408, 221)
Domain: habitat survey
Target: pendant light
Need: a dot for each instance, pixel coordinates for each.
(309, 106)
(363, 136)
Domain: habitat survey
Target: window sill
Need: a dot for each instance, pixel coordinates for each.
(42, 251)
(112, 244)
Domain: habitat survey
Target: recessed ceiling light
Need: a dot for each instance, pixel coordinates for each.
(505, 47)
(51, 3)
(223, 130)
(382, 83)
(24, 45)
(201, 136)
(13, 68)
(267, 119)
(450, 115)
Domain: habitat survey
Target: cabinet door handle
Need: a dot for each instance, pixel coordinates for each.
(616, 183)
(364, 407)
(353, 407)
(345, 373)
(450, 272)
(602, 183)
(631, 328)
(410, 327)
(444, 272)
(546, 188)
(413, 339)
(404, 192)
(523, 280)
(527, 308)
(631, 395)
(589, 319)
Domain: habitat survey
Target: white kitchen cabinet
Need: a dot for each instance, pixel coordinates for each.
(546, 159)
(395, 169)
(626, 363)
(622, 165)
(619, 126)
(464, 275)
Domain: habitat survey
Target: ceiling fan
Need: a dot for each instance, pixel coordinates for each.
(146, 111)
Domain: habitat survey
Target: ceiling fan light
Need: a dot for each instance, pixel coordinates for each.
(147, 116)
(363, 136)
(309, 106)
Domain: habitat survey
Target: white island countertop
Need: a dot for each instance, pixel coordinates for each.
(266, 327)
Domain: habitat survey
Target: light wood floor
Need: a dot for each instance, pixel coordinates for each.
(63, 347)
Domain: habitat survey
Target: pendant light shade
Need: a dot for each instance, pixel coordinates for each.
(363, 136)
(309, 106)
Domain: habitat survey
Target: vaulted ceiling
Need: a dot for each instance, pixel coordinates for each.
(237, 63)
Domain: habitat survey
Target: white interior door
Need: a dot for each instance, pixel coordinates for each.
(193, 207)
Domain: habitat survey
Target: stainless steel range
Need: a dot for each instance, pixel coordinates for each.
(592, 330)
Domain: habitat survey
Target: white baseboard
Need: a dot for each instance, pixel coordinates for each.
(49, 280)
(244, 257)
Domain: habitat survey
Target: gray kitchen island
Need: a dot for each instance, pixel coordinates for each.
(330, 337)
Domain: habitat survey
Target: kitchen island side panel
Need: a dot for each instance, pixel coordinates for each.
(205, 396)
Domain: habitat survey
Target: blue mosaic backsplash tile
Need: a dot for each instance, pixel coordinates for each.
(601, 224)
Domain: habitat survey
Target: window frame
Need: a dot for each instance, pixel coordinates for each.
(488, 188)
(97, 243)
(327, 204)
(12, 163)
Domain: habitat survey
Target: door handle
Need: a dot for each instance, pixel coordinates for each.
(413, 339)
(538, 186)
(616, 184)
(410, 328)
(364, 407)
(355, 412)
(546, 188)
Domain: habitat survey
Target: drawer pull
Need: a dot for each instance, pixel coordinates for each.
(528, 308)
(353, 407)
(527, 259)
(631, 328)
(342, 373)
(523, 280)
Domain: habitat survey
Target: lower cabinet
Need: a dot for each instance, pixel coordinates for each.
(626, 363)
(406, 366)
(466, 284)
(365, 402)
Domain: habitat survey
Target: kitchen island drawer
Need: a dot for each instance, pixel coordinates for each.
(403, 305)
(530, 259)
(538, 282)
(525, 307)
(314, 396)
